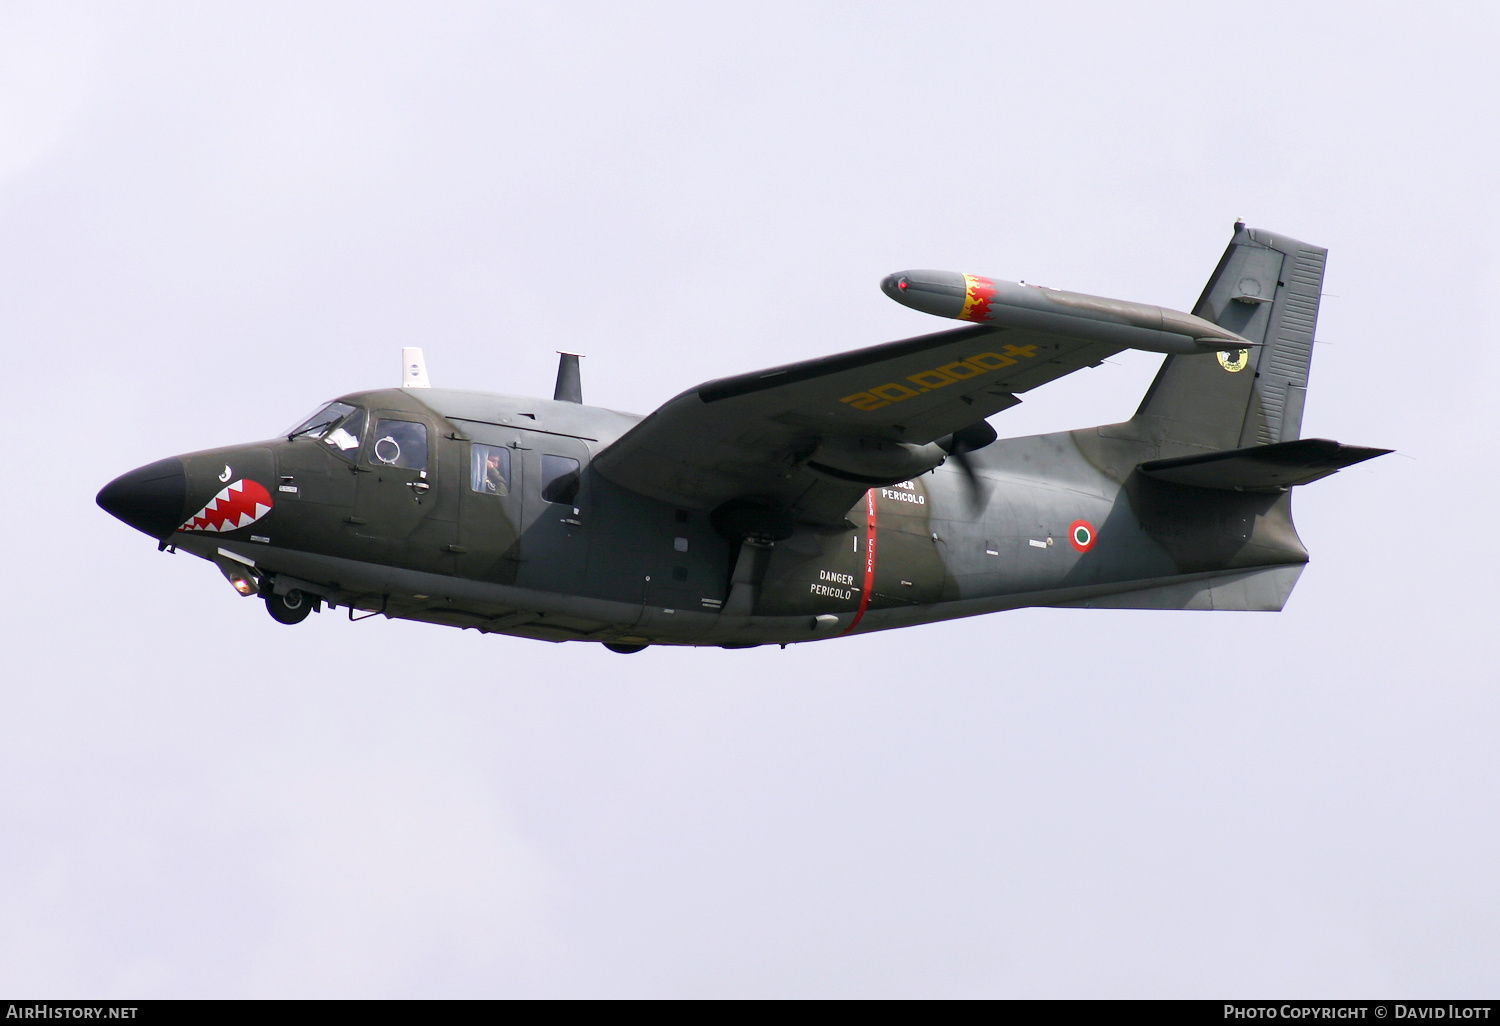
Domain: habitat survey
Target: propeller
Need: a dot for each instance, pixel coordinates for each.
(958, 446)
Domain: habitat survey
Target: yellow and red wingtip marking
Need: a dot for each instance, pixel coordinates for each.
(977, 295)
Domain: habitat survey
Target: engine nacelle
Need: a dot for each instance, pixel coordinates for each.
(874, 461)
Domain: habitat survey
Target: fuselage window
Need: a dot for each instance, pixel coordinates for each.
(489, 469)
(400, 443)
(559, 479)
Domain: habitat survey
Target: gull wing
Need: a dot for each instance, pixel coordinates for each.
(752, 436)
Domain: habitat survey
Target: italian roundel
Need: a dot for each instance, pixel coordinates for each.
(1081, 534)
(238, 505)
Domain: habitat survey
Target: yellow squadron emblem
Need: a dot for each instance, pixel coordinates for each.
(1234, 362)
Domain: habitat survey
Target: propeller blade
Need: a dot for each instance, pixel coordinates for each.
(958, 446)
(976, 490)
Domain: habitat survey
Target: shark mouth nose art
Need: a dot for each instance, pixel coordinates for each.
(237, 505)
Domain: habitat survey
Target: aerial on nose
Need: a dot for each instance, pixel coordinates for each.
(149, 498)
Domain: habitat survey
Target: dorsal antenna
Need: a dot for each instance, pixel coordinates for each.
(413, 368)
(569, 388)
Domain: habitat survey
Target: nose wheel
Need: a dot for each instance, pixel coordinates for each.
(290, 608)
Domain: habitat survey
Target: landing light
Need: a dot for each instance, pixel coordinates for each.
(240, 577)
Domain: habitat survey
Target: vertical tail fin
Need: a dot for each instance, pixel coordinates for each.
(1266, 288)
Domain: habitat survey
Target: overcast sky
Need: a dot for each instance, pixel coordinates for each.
(213, 219)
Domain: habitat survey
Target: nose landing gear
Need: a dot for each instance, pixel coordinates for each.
(290, 608)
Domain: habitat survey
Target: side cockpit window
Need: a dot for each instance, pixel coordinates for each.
(339, 425)
(489, 469)
(400, 443)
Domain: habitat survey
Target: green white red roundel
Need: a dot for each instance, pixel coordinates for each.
(1081, 535)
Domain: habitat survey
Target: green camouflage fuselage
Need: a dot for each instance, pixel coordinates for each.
(611, 565)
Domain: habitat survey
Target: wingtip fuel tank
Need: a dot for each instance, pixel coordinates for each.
(1006, 304)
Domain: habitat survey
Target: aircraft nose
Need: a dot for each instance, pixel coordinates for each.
(149, 498)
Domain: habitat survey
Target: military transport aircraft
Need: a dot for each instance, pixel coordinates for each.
(839, 495)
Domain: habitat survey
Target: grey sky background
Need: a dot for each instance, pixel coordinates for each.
(213, 218)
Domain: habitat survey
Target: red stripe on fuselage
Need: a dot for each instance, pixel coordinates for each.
(864, 596)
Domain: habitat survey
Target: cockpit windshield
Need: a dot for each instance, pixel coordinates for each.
(337, 424)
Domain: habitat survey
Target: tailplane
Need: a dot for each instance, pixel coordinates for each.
(1261, 468)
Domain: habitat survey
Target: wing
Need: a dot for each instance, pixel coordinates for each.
(758, 437)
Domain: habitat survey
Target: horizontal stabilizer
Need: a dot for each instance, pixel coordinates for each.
(1261, 468)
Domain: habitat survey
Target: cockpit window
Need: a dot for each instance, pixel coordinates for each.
(339, 425)
(319, 423)
(400, 443)
(345, 436)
